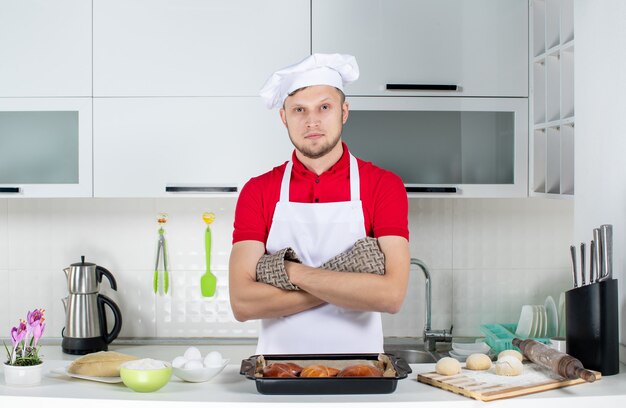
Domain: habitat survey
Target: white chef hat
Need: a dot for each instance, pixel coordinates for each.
(318, 69)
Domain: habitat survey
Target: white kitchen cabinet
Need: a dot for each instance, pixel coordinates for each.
(195, 47)
(480, 46)
(142, 146)
(445, 147)
(45, 147)
(552, 99)
(45, 48)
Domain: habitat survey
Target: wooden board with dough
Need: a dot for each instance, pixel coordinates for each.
(488, 386)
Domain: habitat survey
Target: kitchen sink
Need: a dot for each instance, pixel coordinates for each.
(413, 356)
(414, 352)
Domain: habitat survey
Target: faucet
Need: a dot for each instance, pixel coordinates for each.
(431, 337)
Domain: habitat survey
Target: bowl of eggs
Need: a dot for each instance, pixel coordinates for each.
(192, 367)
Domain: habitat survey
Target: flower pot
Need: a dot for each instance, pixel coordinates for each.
(22, 375)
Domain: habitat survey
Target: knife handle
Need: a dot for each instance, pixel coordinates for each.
(606, 232)
(572, 250)
(582, 263)
(597, 252)
(592, 261)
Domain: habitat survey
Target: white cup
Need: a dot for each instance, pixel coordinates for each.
(558, 343)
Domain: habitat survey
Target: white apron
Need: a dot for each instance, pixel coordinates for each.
(318, 232)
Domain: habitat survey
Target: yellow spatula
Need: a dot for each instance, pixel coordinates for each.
(208, 281)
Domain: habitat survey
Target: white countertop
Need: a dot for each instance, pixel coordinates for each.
(234, 390)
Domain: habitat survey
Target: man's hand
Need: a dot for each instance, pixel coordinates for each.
(365, 257)
(360, 291)
(250, 299)
(271, 269)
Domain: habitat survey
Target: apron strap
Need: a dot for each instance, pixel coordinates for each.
(355, 184)
(284, 185)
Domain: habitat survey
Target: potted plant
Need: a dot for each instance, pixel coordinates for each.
(23, 365)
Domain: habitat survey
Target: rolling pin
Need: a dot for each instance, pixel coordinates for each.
(560, 363)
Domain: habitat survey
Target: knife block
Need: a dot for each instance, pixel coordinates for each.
(592, 326)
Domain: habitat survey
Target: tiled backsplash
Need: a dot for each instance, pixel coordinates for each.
(487, 257)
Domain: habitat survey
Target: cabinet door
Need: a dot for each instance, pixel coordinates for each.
(481, 46)
(45, 147)
(445, 147)
(195, 47)
(45, 48)
(144, 145)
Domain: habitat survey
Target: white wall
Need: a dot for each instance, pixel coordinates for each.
(600, 64)
(487, 258)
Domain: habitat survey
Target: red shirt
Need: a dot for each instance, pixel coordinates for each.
(385, 203)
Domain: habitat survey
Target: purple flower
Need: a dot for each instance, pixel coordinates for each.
(25, 337)
(18, 333)
(36, 324)
(35, 317)
(37, 333)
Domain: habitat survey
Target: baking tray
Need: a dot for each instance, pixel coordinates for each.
(327, 385)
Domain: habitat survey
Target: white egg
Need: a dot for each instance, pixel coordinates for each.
(192, 353)
(179, 361)
(213, 359)
(193, 364)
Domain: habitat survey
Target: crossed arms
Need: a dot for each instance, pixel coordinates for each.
(359, 291)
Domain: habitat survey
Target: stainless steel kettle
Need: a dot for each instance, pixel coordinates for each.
(85, 277)
(86, 329)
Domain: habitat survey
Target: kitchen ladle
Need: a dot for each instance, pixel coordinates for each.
(208, 281)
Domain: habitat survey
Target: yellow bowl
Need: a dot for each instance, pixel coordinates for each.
(146, 380)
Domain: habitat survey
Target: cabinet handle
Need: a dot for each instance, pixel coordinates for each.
(200, 189)
(410, 189)
(422, 87)
(11, 190)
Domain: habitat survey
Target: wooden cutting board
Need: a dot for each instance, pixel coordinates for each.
(488, 386)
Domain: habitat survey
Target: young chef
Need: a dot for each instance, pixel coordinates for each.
(310, 209)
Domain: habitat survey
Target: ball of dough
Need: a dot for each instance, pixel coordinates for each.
(478, 361)
(448, 366)
(509, 365)
(513, 353)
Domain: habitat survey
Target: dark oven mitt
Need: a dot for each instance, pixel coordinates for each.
(271, 269)
(365, 256)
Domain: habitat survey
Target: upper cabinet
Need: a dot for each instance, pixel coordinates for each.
(45, 147)
(195, 47)
(445, 147)
(428, 47)
(45, 48)
(158, 147)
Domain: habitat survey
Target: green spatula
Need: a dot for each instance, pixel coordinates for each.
(208, 281)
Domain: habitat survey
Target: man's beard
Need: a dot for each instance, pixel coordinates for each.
(317, 151)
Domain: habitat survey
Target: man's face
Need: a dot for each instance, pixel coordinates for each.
(314, 117)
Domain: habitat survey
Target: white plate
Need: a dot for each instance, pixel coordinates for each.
(470, 348)
(110, 380)
(199, 374)
(552, 317)
(463, 357)
(539, 316)
(535, 324)
(561, 330)
(524, 326)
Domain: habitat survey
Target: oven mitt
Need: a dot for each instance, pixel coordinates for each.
(271, 269)
(365, 256)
